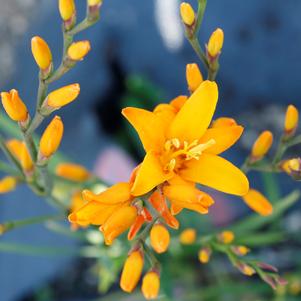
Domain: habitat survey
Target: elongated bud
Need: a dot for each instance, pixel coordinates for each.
(150, 285)
(258, 202)
(261, 146)
(78, 50)
(118, 222)
(188, 236)
(51, 138)
(226, 237)
(7, 184)
(240, 250)
(291, 120)
(204, 255)
(14, 106)
(267, 267)
(193, 76)
(42, 54)
(215, 43)
(72, 172)
(67, 9)
(187, 14)
(132, 271)
(245, 269)
(160, 238)
(62, 96)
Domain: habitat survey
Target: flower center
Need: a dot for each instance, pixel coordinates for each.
(176, 153)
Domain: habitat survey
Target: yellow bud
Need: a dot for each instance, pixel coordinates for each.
(291, 119)
(78, 50)
(132, 271)
(258, 202)
(41, 52)
(240, 250)
(67, 9)
(204, 255)
(262, 145)
(295, 164)
(193, 76)
(159, 238)
(151, 285)
(118, 222)
(62, 96)
(73, 172)
(187, 14)
(94, 2)
(247, 270)
(226, 237)
(7, 184)
(51, 137)
(215, 43)
(14, 106)
(188, 236)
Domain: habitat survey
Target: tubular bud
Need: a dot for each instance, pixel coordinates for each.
(187, 14)
(291, 120)
(51, 138)
(118, 222)
(42, 54)
(261, 146)
(132, 271)
(204, 255)
(14, 106)
(240, 250)
(73, 172)
(226, 237)
(151, 285)
(193, 77)
(215, 43)
(188, 236)
(67, 9)
(7, 184)
(78, 50)
(159, 238)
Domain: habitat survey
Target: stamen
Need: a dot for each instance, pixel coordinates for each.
(176, 142)
(167, 145)
(171, 165)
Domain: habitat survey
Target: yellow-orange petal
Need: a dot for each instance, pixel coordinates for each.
(178, 102)
(166, 113)
(149, 175)
(159, 238)
(195, 116)
(73, 172)
(150, 285)
(41, 52)
(258, 202)
(218, 173)
(224, 138)
(7, 184)
(175, 209)
(188, 236)
(194, 77)
(148, 126)
(262, 145)
(223, 122)
(291, 119)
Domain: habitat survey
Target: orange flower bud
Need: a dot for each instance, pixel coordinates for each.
(187, 14)
(204, 255)
(14, 106)
(245, 269)
(159, 238)
(188, 236)
(52, 137)
(226, 237)
(291, 120)
(193, 77)
(240, 250)
(67, 9)
(132, 271)
(41, 52)
(73, 172)
(258, 202)
(7, 184)
(78, 50)
(215, 43)
(151, 285)
(262, 145)
(62, 96)
(118, 222)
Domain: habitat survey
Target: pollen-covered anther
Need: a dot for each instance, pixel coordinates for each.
(171, 165)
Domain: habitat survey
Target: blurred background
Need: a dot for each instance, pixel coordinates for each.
(138, 58)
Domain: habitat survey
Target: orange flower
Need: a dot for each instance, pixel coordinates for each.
(77, 202)
(151, 285)
(159, 238)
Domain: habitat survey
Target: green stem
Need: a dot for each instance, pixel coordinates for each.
(86, 23)
(198, 50)
(200, 14)
(8, 169)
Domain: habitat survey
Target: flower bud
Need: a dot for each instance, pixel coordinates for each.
(151, 285)
(204, 255)
(291, 120)
(118, 222)
(193, 77)
(262, 145)
(226, 237)
(132, 271)
(7, 184)
(72, 172)
(240, 250)
(78, 50)
(245, 269)
(51, 137)
(94, 2)
(159, 238)
(41, 53)
(63, 96)
(258, 202)
(215, 43)
(188, 236)
(67, 9)
(187, 14)
(14, 106)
